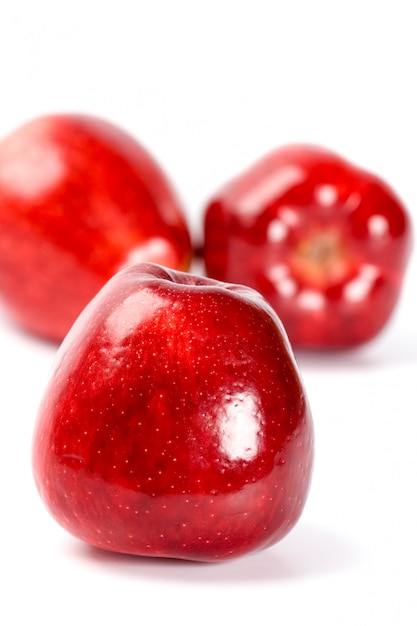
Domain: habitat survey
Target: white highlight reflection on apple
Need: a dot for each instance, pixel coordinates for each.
(240, 430)
(359, 287)
(155, 250)
(136, 309)
(29, 170)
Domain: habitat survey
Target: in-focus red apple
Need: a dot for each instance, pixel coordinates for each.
(79, 199)
(325, 242)
(175, 423)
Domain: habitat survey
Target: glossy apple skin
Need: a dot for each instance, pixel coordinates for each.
(79, 199)
(175, 423)
(325, 242)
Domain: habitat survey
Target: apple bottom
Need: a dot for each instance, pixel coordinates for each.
(343, 316)
(191, 526)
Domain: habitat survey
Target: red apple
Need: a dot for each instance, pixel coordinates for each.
(175, 423)
(325, 242)
(79, 199)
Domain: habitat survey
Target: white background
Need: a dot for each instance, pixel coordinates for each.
(208, 88)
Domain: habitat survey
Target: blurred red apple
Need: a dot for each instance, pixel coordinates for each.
(325, 242)
(175, 423)
(79, 199)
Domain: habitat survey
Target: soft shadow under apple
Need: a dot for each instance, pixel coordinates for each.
(309, 551)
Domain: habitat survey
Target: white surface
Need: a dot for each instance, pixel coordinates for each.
(209, 87)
